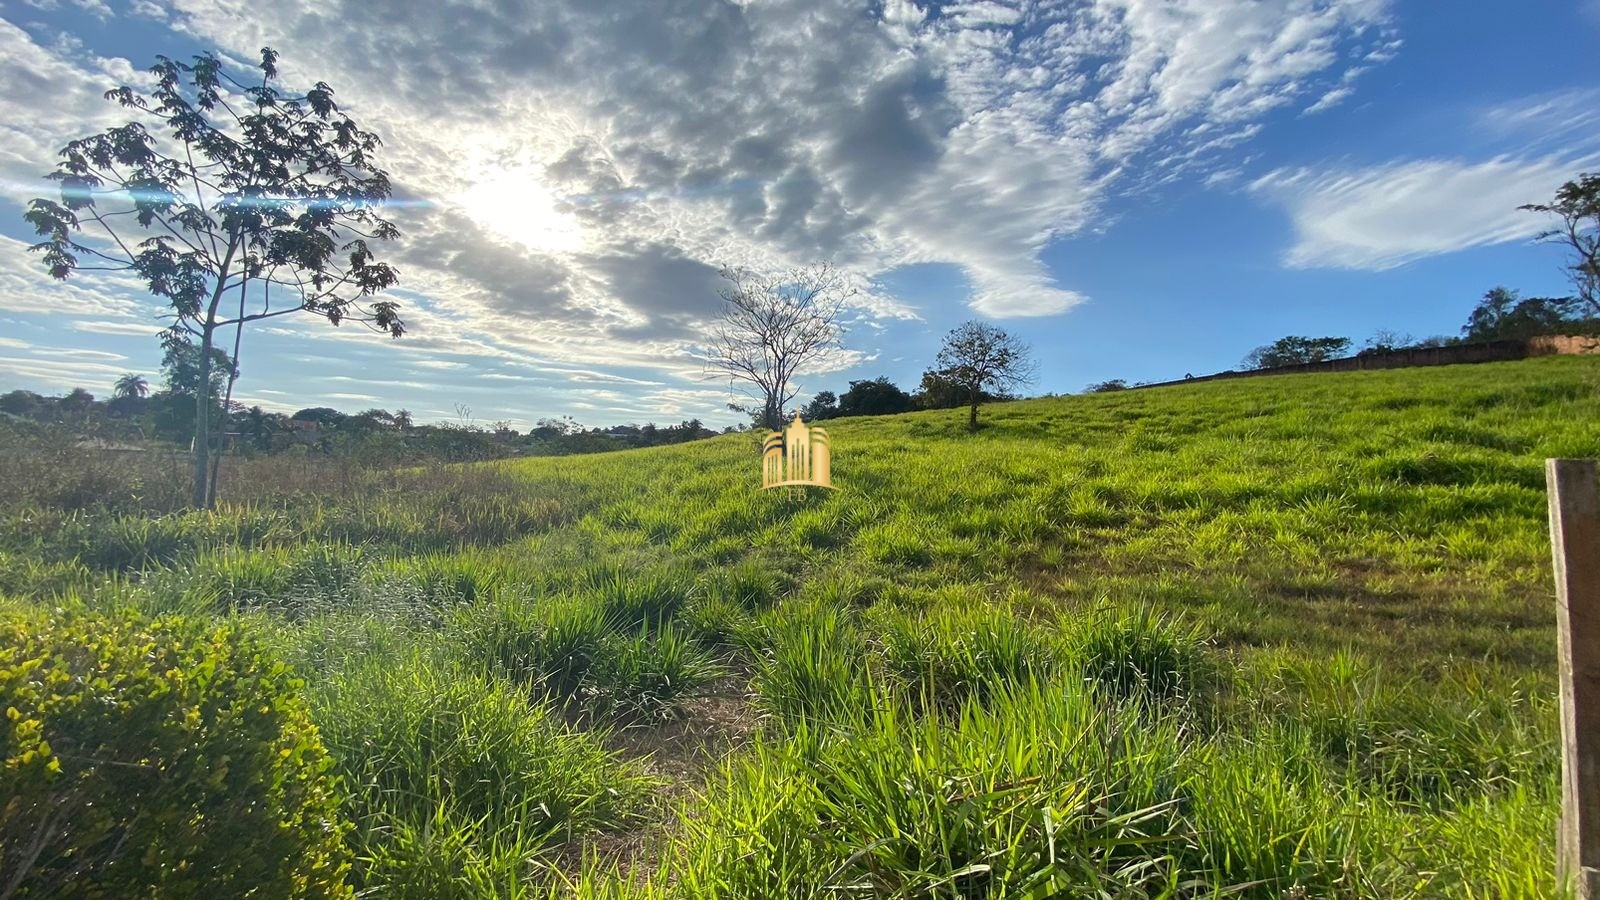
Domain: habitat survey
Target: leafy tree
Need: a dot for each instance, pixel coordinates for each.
(77, 404)
(1502, 315)
(326, 416)
(550, 429)
(938, 392)
(1105, 387)
(130, 385)
(259, 426)
(878, 397)
(183, 373)
(276, 193)
(21, 403)
(977, 357)
(1577, 205)
(825, 405)
(1295, 350)
(771, 327)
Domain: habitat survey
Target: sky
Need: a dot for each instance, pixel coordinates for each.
(1139, 188)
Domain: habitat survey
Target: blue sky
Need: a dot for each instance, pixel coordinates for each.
(1139, 188)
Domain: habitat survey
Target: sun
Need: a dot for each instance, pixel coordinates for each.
(514, 204)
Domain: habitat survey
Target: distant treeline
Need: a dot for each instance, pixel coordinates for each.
(1502, 315)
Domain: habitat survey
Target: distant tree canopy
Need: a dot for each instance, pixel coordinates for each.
(181, 371)
(824, 405)
(1503, 315)
(1295, 350)
(322, 415)
(376, 437)
(1105, 387)
(877, 397)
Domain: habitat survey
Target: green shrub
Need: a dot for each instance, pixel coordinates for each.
(153, 758)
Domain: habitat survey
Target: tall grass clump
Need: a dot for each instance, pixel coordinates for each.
(632, 597)
(548, 644)
(1414, 743)
(1041, 794)
(1137, 653)
(949, 656)
(459, 778)
(566, 650)
(811, 664)
(748, 583)
(647, 674)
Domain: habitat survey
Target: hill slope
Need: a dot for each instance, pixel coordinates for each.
(1268, 633)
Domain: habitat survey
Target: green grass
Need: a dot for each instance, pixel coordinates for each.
(1283, 636)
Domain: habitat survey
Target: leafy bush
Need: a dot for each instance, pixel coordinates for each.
(153, 758)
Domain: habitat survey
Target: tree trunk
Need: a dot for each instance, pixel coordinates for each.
(774, 416)
(973, 396)
(202, 422)
(227, 398)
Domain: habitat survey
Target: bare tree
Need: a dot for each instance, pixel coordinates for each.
(774, 325)
(1577, 204)
(978, 358)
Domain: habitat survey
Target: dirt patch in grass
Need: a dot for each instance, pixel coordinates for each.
(682, 751)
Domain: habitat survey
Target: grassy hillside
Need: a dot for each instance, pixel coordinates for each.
(1277, 634)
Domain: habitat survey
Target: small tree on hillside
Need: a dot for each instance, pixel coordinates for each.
(1295, 350)
(1577, 205)
(979, 357)
(255, 194)
(773, 326)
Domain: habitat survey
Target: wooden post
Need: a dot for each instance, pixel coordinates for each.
(1575, 544)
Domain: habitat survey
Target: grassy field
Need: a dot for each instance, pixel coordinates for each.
(1271, 637)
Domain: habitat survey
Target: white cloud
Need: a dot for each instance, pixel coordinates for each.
(1383, 216)
(26, 287)
(139, 329)
(794, 131)
(973, 137)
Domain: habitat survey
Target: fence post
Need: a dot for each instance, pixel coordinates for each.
(1575, 545)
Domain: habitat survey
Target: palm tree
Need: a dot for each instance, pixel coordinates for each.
(130, 385)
